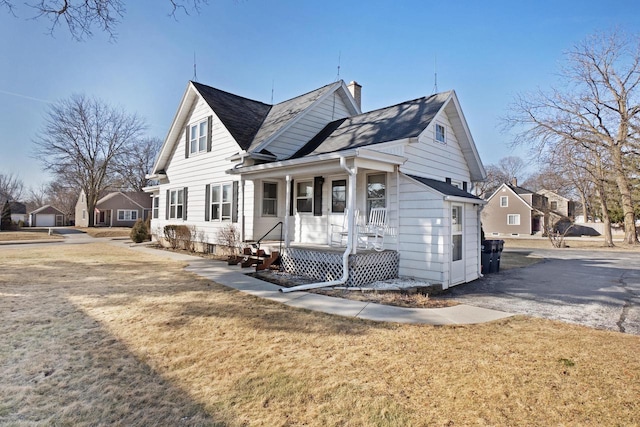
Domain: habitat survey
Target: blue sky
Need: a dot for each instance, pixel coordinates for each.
(487, 51)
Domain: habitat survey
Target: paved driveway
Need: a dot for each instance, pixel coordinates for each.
(595, 288)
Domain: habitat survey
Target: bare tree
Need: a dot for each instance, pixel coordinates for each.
(598, 109)
(37, 197)
(81, 141)
(11, 187)
(133, 167)
(506, 171)
(82, 16)
(63, 197)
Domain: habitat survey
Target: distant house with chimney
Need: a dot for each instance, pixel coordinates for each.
(513, 211)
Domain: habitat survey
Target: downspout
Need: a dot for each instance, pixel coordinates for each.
(345, 256)
(287, 210)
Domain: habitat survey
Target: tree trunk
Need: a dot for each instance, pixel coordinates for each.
(626, 200)
(608, 238)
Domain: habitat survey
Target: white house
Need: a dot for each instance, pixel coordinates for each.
(315, 161)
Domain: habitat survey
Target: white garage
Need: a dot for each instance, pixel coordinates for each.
(46, 216)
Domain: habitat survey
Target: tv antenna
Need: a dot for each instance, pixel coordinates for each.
(195, 74)
(435, 74)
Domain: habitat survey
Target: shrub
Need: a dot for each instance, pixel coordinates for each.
(177, 235)
(230, 237)
(5, 219)
(139, 231)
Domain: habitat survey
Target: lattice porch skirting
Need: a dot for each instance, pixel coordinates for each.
(364, 268)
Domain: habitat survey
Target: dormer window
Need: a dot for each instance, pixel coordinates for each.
(440, 133)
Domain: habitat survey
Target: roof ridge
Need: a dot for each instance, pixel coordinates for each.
(401, 103)
(229, 93)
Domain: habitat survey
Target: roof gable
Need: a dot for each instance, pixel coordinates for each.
(284, 114)
(512, 190)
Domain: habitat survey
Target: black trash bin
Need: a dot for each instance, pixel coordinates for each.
(496, 255)
(489, 247)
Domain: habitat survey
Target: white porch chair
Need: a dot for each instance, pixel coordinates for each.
(340, 232)
(371, 235)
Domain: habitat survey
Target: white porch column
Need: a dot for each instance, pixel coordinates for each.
(351, 208)
(287, 210)
(241, 213)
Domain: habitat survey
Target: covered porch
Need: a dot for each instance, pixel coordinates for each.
(322, 206)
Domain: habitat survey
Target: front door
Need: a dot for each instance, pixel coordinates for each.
(337, 210)
(457, 244)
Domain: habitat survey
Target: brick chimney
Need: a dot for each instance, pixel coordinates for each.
(514, 181)
(356, 92)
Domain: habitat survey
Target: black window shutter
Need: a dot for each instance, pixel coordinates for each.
(464, 185)
(448, 180)
(184, 206)
(292, 197)
(234, 203)
(207, 201)
(209, 130)
(168, 202)
(186, 142)
(317, 195)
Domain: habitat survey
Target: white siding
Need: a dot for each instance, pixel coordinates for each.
(312, 122)
(423, 233)
(198, 170)
(472, 242)
(432, 159)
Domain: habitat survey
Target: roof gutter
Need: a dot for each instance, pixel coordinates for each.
(345, 256)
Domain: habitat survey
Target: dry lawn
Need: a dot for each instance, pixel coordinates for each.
(6, 236)
(99, 335)
(106, 231)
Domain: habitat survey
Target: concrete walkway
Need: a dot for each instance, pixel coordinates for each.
(233, 277)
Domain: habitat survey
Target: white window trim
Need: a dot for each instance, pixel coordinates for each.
(506, 199)
(173, 213)
(310, 196)
(516, 218)
(221, 202)
(264, 198)
(346, 194)
(444, 133)
(127, 215)
(155, 214)
(198, 137)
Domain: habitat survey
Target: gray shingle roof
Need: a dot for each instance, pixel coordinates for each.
(519, 190)
(405, 120)
(241, 116)
(443, 187)
(253, 122)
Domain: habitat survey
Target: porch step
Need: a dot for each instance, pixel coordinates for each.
(268, 262)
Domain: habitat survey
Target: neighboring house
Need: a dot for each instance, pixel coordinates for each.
(513, 210)
(47, 216)
(116, 209)
(18, 212)
(316, 160)
(559, 205)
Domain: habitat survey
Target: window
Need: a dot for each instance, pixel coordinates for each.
(176, 204)
(269, 199)
(84, 214)
(156, 206)
(440, 133)
(504, 201)
(376, 191)
(304, 196)
(513, 219)
(221, 199)
(198, 137)
(338, 195)
(554, 206)
(127, 215)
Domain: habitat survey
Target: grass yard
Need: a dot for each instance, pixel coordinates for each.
(39, 234)
(100, 335)
(106, 231)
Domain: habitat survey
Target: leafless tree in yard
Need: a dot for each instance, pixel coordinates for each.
(82, 16)
(598, 108)
(505, 171)
(11, 187)
(133, 167)
(81, 141)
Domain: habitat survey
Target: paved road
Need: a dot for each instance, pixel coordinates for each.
(595, 288)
